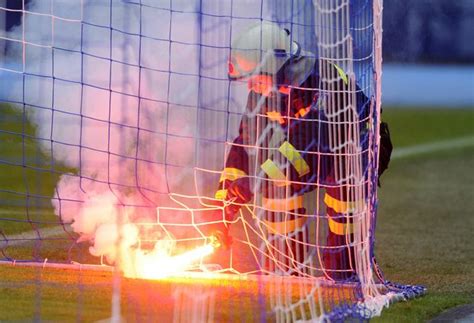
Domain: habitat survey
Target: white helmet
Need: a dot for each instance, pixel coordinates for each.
(262, 49)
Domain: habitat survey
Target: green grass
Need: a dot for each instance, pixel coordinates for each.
(425, 225)
(423, 235)
(70, 295)
(54, 295)
(27, 177)
(411, 126)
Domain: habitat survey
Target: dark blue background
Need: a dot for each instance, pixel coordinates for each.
(428, 31)
(416, 31)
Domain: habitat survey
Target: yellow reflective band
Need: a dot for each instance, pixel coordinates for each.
(231, 174)
(221, 194)
(294, 157)
(341, 73)
(340, 228)
(339, 206)
(274, 173)
(302, 112)
(282, 205)
(286, 226)
(275, 116)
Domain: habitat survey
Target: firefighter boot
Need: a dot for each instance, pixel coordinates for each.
(338, 258)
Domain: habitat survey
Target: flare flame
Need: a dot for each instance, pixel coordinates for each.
(157, 265)
(116, 233)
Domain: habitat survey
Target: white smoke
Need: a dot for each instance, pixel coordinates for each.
(132, 134)
(118, 141)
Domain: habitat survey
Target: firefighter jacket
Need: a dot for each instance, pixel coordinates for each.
(284, 152)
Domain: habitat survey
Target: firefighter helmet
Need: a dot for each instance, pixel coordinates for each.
(261, 49)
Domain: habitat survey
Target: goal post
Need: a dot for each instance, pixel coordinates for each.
(198, 149)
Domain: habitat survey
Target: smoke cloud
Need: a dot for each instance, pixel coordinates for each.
(122, 110)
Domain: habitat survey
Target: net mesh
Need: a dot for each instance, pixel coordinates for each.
(124, 142)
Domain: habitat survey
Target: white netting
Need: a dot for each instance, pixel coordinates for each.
(155, 149)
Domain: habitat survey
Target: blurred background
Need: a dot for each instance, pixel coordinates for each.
(428, 53)
(427, 50)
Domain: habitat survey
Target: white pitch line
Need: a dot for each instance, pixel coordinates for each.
(399, 153)
(30, 236)
(432, 147)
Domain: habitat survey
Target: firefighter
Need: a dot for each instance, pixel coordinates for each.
(284, 131)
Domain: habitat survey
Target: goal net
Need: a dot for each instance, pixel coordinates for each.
(223, 149)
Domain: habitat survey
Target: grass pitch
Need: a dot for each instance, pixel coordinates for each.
(71, 294)
(424, 229)
(424, 233)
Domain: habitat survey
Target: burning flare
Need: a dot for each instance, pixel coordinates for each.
(114, 233)
(158, 264)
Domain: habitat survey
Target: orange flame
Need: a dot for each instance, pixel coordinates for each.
(159, 264)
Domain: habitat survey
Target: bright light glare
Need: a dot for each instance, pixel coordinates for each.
(159, 265)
